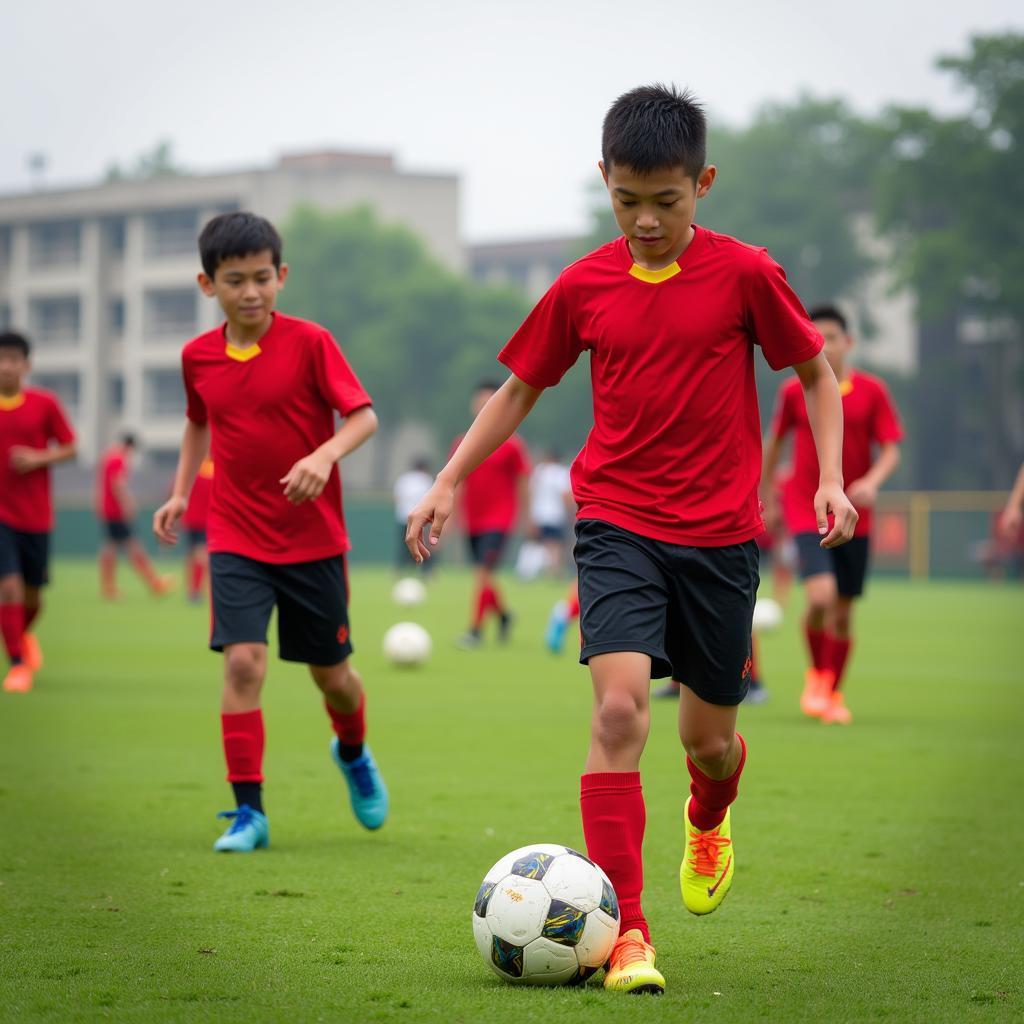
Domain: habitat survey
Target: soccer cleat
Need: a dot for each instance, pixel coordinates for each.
(366, 789)
(708, 865)
(631, 968)
(836, 712)
(469, 641)
(817, 687)
(669, 689)
(558, 623)
(162, 585)
(32, 653)
(248, 831)
(18, 679)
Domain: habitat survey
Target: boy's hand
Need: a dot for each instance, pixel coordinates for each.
(307, 479)
(863, 493)
(435, 508)
(25, 460)
(165, 519)
(831, 499)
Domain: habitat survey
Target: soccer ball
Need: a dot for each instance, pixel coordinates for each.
(408, 592)
(545, 915)
(407, 643)
(767, 615)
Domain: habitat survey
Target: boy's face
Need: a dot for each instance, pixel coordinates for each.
(837, 344)
(655, 211)
(246, 287)
(14, 365)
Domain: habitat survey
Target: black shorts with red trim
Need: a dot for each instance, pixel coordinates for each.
(486, 549)
(848, 562)
(25, 553)
(311, 600)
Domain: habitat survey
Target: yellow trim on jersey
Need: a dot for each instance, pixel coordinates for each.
(654, 276)
(241, 355)
(845, 387)
(12, 403)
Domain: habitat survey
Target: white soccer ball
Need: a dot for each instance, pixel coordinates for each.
(767, 615)
(407, 643)
(408, 591)
(545, 915)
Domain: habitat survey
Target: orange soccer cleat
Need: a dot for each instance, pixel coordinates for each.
(815, 699)
(18, 679)
(836, 712)
(31, 652)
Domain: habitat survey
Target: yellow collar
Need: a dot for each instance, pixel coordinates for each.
(9, 404)
(242, 355)
(654, 276)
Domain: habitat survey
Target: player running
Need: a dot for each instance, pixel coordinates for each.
(833, 579)
(262, 391)
(666, 486)
(34, 435)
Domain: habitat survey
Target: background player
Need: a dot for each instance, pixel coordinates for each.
(833, 579)
(668, 512)
(34, 435)
(115, 509)
(194, 520)
(262, 391)
(551, 508)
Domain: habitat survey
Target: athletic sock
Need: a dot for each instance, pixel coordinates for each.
(482, 604)
(614, 818)
(350, 728)
(244, 739)
(12, 626)
(711, 797)
(496, 601)
(250, 793)
(195, 578)
(817, 644)
(840, 651)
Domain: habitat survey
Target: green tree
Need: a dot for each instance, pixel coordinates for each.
(152, 163)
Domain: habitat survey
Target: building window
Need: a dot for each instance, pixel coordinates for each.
(55, 323)
(66, 386)
(115, 317)
(5, 316)
(55, 243)
(164, 393)
(171, 314)
(114, 237)
(172, 233)
(115, 393)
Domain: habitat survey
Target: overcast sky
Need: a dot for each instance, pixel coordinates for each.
(508, 96)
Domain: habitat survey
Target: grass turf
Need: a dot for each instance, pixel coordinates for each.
(879, 867)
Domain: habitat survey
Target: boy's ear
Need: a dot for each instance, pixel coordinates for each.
(705, 180)
(205, 284)
(603, 170)
(282, 275)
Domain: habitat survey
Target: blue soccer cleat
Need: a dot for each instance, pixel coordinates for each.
(558, 623)
(366, 788)
(248, 831)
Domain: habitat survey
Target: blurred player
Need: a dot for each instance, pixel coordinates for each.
(262, 391)
(491, 501)
(115, 508)
(409, 489)
(551, 508)
(197, 559)
(833, 579)
(666, 487)
(34, 435)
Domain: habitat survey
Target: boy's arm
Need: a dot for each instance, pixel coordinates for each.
(825, 412)
(307, 479)
(25, 460)
(498, 421)
(195, 444)
(864, 491)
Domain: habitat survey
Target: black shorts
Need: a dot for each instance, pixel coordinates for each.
(548, 532)
(689, 608)
(486, 549)
(195, 538)
(26, 554)
(118, 530)
(848, 562)
(311, 600)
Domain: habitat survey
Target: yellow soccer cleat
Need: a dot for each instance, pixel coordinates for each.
(631, 968)
(708, 865)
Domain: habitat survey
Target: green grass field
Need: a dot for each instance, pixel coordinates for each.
(880, 869)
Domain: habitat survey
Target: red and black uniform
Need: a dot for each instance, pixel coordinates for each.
(114, 470)
(869, 419)
(198, 508)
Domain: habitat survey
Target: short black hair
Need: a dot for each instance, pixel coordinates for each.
(829, 312)
(128, 440)
(237, 234)
(487, 385)
(653, 128)
(11, 339)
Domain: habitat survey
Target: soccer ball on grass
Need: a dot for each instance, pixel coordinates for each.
(406, 644)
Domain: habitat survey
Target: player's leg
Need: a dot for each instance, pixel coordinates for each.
(817, 572)
(107, 561)
(565, 611)
(144, 567)
(18, 678)
(851, 562)
(196, 566)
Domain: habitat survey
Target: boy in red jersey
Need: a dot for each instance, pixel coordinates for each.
(115, 509)
(833, 579)
(489, 509)
(666, 486)
(194, 521)
(263, 390)
(34, 435)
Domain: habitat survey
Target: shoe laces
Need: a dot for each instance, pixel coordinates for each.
(629, 951)
(243, 818)
(706, 849)
(361, 774)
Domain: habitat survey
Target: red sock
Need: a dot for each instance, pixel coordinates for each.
(817, 641)
(349, 726)
(840, 650)
(12, 625)
(614, 817)
(243, 745)
(31, 614)
(496, 602)
(711, 797)
(195, 577)
(483, 602)
(572, 606)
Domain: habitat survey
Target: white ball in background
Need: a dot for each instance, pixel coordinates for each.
(407, 644)
(409, 591)
(767, 615)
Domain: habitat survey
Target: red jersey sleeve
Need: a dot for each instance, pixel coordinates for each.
(885, 420)
(547, 343)
(195, 407)
(336, 380)
(784, 417)
(58, 426)
(776, 316)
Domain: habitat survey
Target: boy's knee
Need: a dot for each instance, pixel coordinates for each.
(10, 589)
(709, 750)
(244, 665)
(618, 720)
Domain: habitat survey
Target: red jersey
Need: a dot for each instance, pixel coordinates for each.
(675, 450)
(198, 507)
(490, 494)
(114, 468)
(31, 419)
(268, 406)
(869, 418)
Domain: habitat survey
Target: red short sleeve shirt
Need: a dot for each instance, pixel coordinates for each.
(113, 468)
(268, 406)
(869, 419)
(490, 494)
(675, 450)
(32, 419)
